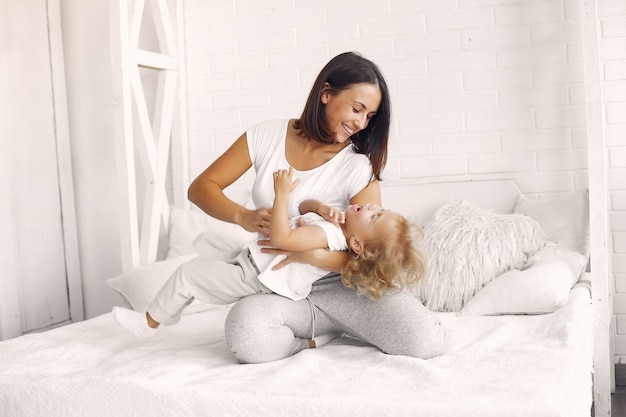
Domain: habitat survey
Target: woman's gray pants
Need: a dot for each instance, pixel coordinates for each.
(268, 327)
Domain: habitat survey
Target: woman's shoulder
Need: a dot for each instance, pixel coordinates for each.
(265, 138)
(269, 126)
(271, 130)
(349, 155)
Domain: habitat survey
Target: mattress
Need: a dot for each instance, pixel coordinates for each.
(537, 365)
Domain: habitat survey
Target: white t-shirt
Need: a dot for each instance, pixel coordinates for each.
(334, 183)
(294, 280)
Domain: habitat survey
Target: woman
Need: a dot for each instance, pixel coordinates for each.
(338, 148)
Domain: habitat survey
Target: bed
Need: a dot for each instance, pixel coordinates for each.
(520, 345)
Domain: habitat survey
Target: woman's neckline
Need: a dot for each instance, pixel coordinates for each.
(298, 143)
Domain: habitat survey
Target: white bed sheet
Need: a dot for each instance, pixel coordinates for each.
(495, 366)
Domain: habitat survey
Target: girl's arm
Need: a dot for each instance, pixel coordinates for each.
(206, 191)
(281, 235)
(310, 206)
(331, 261)
(327, 212)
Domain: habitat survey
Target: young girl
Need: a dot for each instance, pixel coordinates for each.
(382, 256)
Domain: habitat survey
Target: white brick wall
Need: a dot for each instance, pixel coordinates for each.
(612, 14)
(480, 88)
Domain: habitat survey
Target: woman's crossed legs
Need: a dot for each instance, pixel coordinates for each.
(263, 328)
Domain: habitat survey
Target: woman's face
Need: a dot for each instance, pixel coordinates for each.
(351, 110)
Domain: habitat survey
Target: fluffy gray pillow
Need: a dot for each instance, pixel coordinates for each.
(466, 247)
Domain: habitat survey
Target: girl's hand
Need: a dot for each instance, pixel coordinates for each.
(332, 215)
(257, 221)
(284, 183)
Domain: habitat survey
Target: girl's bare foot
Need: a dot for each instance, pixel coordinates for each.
(319, 341)
(134, 321)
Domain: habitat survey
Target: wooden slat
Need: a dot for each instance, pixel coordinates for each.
(162, 124)
(123, 126)
(180, 151)
(146, 147)
(151, 223)
(154, 60)
(601, 275)
(155, 193)
(135, 23)
(164, 28)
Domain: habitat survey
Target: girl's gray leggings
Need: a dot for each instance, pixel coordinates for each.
(268, 327)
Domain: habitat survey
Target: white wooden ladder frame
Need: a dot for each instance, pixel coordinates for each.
(135, 133)
(601, 275)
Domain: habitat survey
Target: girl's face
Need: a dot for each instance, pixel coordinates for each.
(368, 222)
(351, 110)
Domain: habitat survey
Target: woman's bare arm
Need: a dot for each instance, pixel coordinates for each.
(369, 194)
(206, 191)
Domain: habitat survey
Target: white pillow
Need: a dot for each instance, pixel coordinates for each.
(193, 231)
(185, 226)
(564, 219)
(466, 247)
(541, 288)
(223, 241)
(140, 285)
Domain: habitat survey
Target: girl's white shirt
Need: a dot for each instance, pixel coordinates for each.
(295, 280)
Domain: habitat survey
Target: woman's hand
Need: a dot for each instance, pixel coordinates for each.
(257, 221)
(312, 257)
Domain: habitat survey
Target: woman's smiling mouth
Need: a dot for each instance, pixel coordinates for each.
(347, 129)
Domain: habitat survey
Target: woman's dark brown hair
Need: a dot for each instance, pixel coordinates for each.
(341, 73)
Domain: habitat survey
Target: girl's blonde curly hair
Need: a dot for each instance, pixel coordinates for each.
(389, 261)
